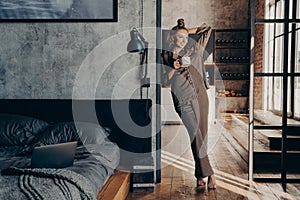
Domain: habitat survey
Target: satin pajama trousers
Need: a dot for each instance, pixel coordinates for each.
(194, 115)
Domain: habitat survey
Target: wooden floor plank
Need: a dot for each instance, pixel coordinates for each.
(178, 181)
(161, 191)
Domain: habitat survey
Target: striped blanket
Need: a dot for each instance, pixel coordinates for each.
(18, 183)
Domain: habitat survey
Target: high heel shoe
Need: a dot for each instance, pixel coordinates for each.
(200, 182)
(212, 182)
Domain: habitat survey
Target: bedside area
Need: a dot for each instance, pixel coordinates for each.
(116, 187)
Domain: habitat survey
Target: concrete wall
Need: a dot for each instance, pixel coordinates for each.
(51, 60)
(61, 60)
(217, 13)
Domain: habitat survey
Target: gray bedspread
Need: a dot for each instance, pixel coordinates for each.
(44, 183)
(83, 180)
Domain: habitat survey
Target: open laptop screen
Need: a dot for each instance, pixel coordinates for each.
(54, 155)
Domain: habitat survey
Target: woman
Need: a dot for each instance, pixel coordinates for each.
(188, 86)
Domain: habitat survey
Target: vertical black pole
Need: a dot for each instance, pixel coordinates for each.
(158, 91)
(285, 97)
(293, 60)
(251, 94)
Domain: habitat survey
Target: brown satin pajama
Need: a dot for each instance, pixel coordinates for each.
(191, 101)
(194, 116)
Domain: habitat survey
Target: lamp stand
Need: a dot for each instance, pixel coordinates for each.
(145, 81)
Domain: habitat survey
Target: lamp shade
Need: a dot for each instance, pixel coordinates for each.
(135, 44)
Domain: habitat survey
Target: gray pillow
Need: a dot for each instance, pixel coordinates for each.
(17, 130)
(86, 133)
(90, 133)
(58, 133)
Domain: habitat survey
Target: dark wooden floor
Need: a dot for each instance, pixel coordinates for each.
(178, 181)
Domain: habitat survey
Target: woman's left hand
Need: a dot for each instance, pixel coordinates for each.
(177, 64)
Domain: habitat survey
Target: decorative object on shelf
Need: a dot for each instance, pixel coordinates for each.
(230, 42)
(228, 93)
(234, 76)
(229, 59)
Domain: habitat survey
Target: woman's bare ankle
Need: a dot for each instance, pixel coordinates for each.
(200, 182)
(212, 182)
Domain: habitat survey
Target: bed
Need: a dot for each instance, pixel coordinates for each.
(105, 145)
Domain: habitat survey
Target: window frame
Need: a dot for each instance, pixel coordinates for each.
(275, 64)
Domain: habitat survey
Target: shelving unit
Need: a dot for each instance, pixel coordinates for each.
(231, 58)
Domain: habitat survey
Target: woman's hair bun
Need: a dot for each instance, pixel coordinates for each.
(180, 23)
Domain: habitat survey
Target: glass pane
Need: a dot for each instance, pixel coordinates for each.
(278, 55)
(289, 52)
(276, 10)
(279, 14)
(268, 100)
(269, 83)
(279, 29)
(273, 10)
(277, 94)
(291, 10)
(289, 110)
(297, 97)
(280, 9)
(297, 67)
(270, 11)
(268, 48)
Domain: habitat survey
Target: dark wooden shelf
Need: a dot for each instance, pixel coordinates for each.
(232, 58)
(232, 30)
(226, 64)
(231, 97)
(232, 63)
(231, 47)
(232, 79)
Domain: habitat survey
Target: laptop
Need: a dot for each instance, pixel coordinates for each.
(54, 155)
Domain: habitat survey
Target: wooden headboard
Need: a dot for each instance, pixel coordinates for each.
(128, 119)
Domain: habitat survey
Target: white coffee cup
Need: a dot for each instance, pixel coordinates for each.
(186, 61)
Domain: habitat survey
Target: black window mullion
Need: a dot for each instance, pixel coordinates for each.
(285, 96)
(293, 61)
(263, 21)
(285, 74)
(277, 74)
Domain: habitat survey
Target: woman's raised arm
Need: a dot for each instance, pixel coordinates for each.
(204, 32)
(196, 30)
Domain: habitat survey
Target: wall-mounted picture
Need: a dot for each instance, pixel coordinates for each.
(59, 10)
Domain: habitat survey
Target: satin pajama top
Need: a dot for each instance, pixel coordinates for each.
(185, 83)
(189, 82)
